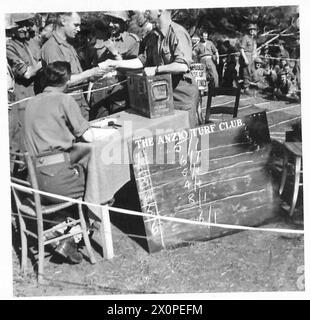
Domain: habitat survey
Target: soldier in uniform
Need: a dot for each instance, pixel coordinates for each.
(23, 68)
(114, 43)
(248, 48)
(57, 48)
(208, 54)
(21, 58)
(195, 45)
(168, 50)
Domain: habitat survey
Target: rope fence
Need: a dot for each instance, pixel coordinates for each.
(164, 218)
(75, 93)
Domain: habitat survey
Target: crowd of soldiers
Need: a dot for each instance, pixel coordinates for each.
(60, 77)
(267, 69)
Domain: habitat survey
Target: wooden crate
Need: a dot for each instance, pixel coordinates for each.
(150, 96)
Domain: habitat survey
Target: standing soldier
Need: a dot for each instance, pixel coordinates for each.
(195, 45)
(117, 44)
(247, 55)
(57, 48)
(208, 55)
(21, 58)
(168, 50)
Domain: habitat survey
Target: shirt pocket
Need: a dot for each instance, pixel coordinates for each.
(166, 54)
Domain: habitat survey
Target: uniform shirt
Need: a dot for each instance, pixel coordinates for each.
(53, 121)
(259, 75)
(248, 44)
(205, 49)
(127, 45)
(20, 58)
(160, 49)
(57, 49)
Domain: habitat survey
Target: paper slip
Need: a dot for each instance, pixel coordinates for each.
(103, 122)
(101, 129)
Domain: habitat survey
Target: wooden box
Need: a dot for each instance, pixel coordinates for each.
(150, 96)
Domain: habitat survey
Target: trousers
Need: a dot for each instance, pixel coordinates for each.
(57, 174)
(186, 97)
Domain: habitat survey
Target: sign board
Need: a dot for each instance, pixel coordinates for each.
(198, 70)
(213, 173)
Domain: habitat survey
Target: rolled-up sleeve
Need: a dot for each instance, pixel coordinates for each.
(182, 47)
(19, 67)
(77, 123)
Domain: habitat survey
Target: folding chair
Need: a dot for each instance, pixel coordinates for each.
(29, 206)
(214, 91)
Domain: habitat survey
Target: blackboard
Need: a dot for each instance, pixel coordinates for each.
(215, 173)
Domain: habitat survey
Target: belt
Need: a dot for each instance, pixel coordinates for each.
(46, 160)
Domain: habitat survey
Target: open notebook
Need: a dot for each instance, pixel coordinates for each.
(101, 129)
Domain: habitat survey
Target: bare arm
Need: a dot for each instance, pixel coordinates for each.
(244, 56)
(128, 64)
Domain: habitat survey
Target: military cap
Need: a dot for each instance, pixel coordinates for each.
(195, 36)
(9, 23)
(19, 17)
(258, 60)
(122, 15)
(252, 26)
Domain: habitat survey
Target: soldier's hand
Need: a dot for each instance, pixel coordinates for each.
(99, 72)
(150, 71)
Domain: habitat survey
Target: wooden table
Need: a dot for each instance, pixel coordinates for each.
(104, 179)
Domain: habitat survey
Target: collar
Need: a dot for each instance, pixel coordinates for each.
(163, 33)
(58, 39)
(119, 38)
(52, 89)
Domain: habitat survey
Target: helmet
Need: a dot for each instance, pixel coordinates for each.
(18, 17)
(122, 15)
(252, 26)
(258, 60)
(9, 23)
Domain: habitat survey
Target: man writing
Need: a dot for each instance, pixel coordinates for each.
(57, 48)
(168, 50)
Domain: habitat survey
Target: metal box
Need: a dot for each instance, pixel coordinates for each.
(150, 96)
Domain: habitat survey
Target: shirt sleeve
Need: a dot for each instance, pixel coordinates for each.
(182, 47)
(51, 53)
(244, 43)
(77, 123)
(19, 67)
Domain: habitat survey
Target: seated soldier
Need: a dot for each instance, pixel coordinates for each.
(259, 77)
(285, 89)
(53, 121)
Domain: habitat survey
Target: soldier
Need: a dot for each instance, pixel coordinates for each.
(168, 50)
(208, 54)
(195, 44)
(57, 48)
(247, 54)
(21, 58)
(114, 43)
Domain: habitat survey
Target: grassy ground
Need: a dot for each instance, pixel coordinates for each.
(242, 262)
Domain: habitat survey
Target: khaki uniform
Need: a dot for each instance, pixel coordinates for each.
(57, 49)
(175, 46)
(248, 44)
(52, 122)
(205, 52)
(113, 99)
